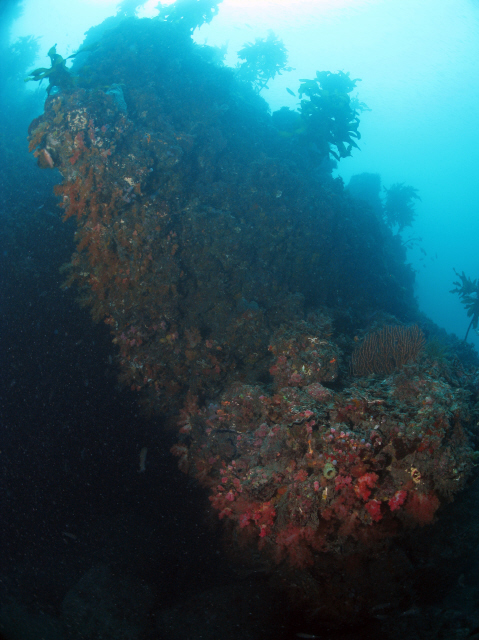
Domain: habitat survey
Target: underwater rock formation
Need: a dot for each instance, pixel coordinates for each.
(207, 243)
(314, 477)
(200, 230)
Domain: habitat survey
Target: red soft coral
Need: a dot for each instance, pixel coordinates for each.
(373, 507)
(296, 543)
(397, 500)
(264, 517)
(365, 483)
(422, 506)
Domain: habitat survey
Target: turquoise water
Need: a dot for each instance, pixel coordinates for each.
(417, 63)
(246, 258)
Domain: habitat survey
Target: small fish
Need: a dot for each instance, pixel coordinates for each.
(291, 93)
(143, 453)
(69, 535)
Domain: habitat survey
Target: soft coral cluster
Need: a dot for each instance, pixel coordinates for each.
(300, 471)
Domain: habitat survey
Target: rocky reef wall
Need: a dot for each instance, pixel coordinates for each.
(233, 272)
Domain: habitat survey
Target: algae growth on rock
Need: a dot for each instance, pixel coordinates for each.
(233, 272)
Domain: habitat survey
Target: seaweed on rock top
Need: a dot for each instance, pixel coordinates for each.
(188, 14)
(330, 119)
(468, 291)
(263, 60)
(58, 74)
(399, 207)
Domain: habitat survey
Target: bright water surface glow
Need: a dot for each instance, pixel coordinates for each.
(418, 62)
